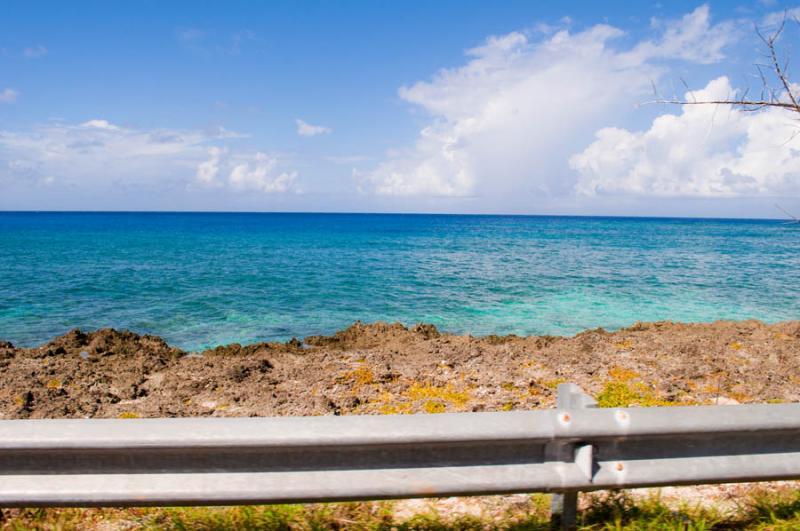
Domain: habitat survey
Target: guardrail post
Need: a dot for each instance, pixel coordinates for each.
(564, 505)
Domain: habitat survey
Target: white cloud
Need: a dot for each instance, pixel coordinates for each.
(505, 123)
(258, 175)
(305, 129)
(776, 17)
(8, 96)
(34, 52)
(704, 151)
(100, 124)
(97, 154)
(242, 172)
(208, 170)
(96, 151)
(692, 38)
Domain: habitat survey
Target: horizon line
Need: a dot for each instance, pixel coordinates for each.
(352, 213)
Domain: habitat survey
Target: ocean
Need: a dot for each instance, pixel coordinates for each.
(202, 279)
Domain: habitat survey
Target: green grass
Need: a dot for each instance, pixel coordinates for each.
(623, 394)
(609, 511)
(625, 388)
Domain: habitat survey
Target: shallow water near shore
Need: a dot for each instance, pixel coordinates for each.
(201, 280)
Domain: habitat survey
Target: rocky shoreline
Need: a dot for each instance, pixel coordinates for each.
(387, 368)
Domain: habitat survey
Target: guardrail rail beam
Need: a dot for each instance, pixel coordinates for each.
(224, 461)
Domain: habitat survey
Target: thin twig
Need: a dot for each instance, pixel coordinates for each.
(780, 72)
(740, 103)
(770, 96)
(787, 213)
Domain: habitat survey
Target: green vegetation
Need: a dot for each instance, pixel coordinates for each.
(426, 398)
(622, 394)
(615, 511)
(626, 389)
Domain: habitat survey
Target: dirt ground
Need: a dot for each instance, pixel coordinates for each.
(387, 368)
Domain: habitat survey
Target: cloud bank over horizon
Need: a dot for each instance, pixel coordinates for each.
(101, 156)
(515, 107)
(704, 151)
(543, 119)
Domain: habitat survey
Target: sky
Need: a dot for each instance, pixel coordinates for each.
(504, 107)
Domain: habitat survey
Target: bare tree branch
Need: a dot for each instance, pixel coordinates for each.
(794, 218)
(780, 97)
(743, 103)
(770, 96)
(780, 72)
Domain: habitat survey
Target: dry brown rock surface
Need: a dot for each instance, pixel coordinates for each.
(388, 368)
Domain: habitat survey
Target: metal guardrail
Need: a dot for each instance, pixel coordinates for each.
(575, 447)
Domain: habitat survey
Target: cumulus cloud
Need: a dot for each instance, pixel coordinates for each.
(509, 118)
(259, 175)
(692, 38)
(704, 151)
(306, 129)
(256, 173)
(98, 154)
(208, 170)
(8, 95)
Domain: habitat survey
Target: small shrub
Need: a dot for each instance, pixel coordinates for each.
(624, 391)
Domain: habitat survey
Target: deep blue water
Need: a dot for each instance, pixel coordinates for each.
(201, 280)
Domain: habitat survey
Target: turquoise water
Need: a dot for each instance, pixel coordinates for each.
(201, 280)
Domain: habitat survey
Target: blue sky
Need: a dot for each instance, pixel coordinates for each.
(469, 107)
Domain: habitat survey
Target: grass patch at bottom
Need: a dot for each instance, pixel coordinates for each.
(606, 511)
